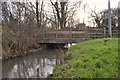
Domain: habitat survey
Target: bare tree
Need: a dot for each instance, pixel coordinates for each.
(18, 32)
(63, 13)
(24, 22)
(101, 18)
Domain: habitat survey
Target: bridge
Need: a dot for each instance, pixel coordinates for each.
(64, 36)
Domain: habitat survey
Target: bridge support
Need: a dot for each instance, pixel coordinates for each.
(54, 45)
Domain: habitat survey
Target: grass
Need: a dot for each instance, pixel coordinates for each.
(90, 59)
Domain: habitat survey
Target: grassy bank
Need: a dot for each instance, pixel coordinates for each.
(91, 59)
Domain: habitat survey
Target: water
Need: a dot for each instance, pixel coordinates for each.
(35, 65)
(69, 45)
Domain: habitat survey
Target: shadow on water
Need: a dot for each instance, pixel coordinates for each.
(39, 64)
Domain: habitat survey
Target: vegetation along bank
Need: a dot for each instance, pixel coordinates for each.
(90, 59)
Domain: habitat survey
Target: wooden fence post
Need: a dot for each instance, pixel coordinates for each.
(86, 32)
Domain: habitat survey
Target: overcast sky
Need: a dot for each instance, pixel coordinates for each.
(99, 4)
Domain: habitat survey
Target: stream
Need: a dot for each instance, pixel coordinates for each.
(36, 65)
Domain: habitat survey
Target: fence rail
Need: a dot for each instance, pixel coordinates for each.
(74, 35)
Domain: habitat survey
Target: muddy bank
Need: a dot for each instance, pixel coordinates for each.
(15, 55)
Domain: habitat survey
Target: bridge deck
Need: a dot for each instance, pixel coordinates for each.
(61, 40)
(72, 36)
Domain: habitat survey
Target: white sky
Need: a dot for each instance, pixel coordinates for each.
(99, 4)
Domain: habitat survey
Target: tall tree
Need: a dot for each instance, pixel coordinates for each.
(64, 12)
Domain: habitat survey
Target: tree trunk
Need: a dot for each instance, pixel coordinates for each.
(37, 13)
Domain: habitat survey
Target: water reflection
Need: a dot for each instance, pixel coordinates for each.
(35, 65)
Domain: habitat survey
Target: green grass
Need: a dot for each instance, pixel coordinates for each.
(90, 59)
